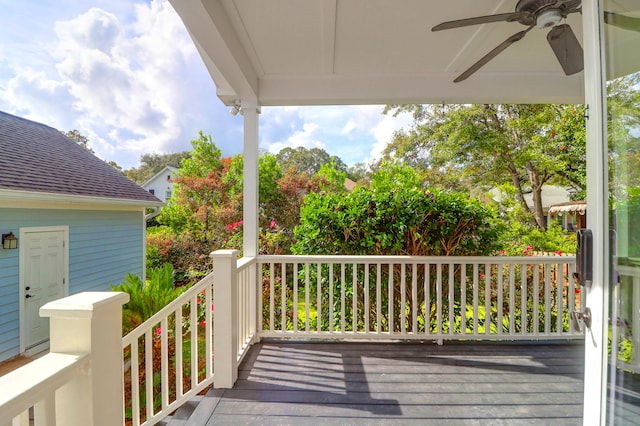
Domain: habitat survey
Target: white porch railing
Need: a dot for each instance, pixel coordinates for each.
(79, 382)
(170, 357)
(402, 297)
(174, 348)
(164, 359)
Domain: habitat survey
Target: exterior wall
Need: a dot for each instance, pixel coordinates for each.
(103, 247)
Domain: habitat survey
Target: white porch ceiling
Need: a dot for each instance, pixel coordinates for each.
(334, 52)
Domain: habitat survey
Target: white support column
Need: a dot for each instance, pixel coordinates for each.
(90, 323)
(225, 320)
(250, 187)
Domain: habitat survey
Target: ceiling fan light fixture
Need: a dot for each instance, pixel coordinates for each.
(549, 18)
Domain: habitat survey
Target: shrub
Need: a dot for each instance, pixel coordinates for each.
(145, 299)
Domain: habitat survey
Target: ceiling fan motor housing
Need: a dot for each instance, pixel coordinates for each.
(545, 13)
(549, 18)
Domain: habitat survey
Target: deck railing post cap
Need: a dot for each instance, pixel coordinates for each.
(224, 253)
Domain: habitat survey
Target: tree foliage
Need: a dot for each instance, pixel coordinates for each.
(309, 161)
(150, 164)
(79, 138)
(396, 220)
(526, 146)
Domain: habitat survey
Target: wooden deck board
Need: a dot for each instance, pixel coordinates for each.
(366, 383)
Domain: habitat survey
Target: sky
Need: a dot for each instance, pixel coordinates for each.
(126, 75)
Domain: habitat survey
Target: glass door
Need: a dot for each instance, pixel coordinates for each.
(621, 49)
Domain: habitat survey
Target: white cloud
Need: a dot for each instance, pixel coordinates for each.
(127, 75)
(306, 137)
(133, 83)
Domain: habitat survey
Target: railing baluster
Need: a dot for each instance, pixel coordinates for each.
(307, 299)
(427, 299)
(283, 301)
(452, 287)
(294, 314)
(547, 298)
(414, 298)
(331, 288)
(500, 302)
(272, 296)
(343, 297)
(164, 362)
(379, 298)
(44, 412)
(536, 298)
(512, 298)
(403, 298)
(524, 297)
(179, 353)
(21, 419)
(148, 373)
(571, 296)
(391, 301)
(439, 296)
(193, 320)
(476, 302)
(487, 299)
(463, 298)
(319, 298)
(366, 298)
(559, 296)
(354, 301)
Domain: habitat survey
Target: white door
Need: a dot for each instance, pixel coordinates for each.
(43, 278)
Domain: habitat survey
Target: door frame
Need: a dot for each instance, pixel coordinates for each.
(22, 273)
(595, 368)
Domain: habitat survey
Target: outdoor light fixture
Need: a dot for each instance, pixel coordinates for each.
(9, 241)
(236, 109)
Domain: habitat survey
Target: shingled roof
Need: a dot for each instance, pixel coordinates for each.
(37, 158)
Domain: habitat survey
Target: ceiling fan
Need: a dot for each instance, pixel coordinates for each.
(541, 14)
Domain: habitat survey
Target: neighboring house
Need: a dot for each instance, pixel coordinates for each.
(551, 195)
(79, 225)
(571, 214)
(161, 184)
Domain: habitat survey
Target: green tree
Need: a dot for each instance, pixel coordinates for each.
(488, 145)
(150, 164)
(79, 138)
(308, 160)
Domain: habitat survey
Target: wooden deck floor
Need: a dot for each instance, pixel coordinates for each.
(365, 383)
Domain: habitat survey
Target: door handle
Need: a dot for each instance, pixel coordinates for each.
(27, 296)
(585, 317)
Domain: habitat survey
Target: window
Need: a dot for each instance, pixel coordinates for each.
(152, 191)
(168, 194)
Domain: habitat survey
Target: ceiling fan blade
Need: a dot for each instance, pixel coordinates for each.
(622, 21)
(567, 48)
(489, 56)
(501, 17)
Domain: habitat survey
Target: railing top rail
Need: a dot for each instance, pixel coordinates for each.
(416, 259)
(245, 262)
(157, 317)
(29, 384)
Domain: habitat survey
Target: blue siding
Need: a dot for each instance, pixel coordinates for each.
(103, 247)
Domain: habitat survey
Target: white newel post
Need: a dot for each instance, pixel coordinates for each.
(225, 320)
(90, 323)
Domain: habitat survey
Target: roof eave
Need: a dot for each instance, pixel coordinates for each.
(8, 195)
